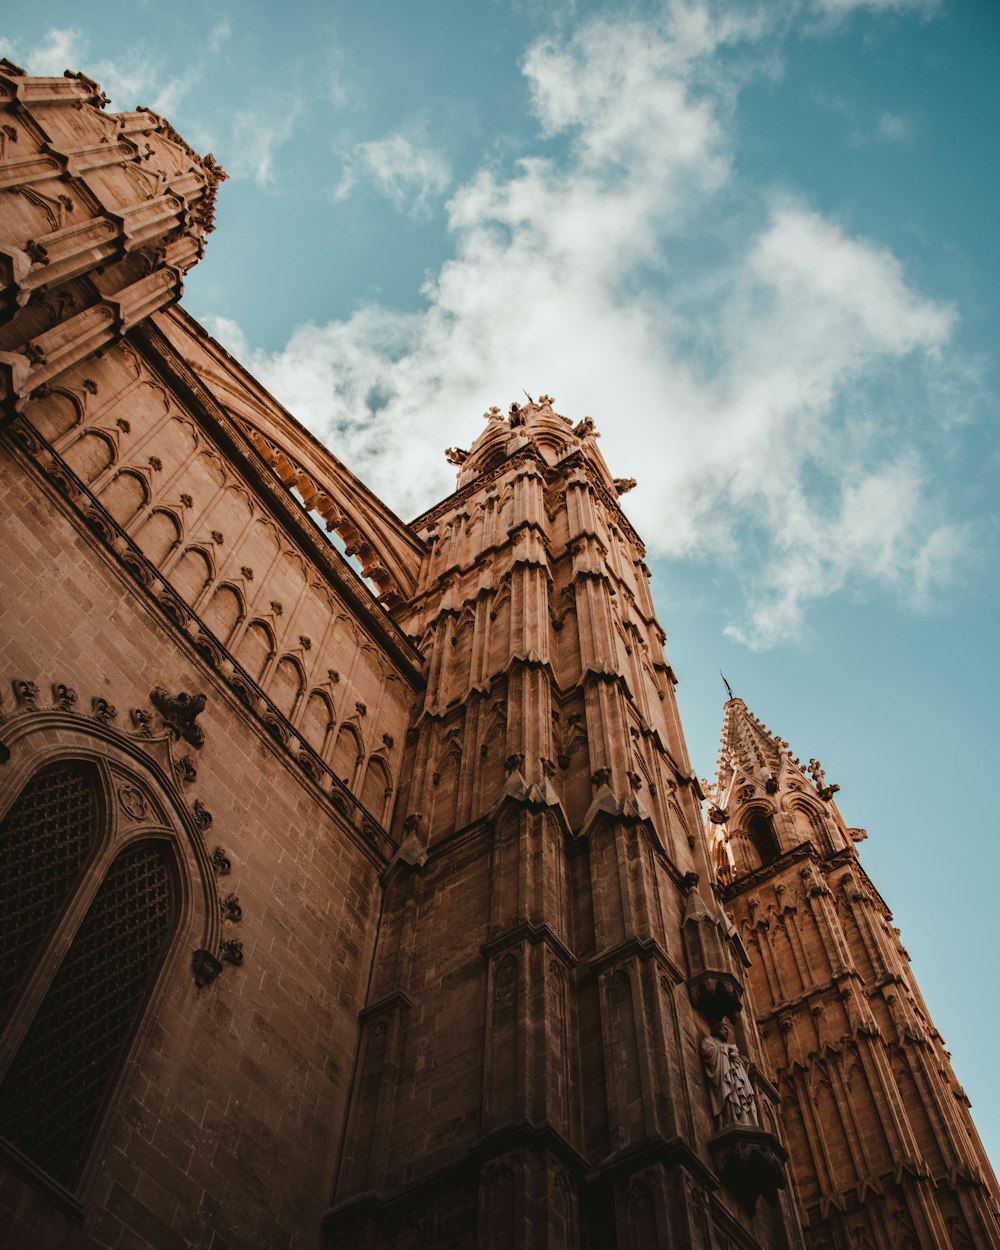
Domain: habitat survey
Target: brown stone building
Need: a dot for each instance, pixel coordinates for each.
(376, 909)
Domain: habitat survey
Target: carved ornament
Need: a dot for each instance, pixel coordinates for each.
(180, 712)
(231, 909)
(63, 696)
(221, 862)
(25, 694)
(205, 967)
(102, 710)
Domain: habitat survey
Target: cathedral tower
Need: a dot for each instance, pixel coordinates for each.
(537, 1056)
(883, 1151)
(370, 906)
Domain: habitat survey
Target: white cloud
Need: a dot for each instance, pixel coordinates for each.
(59, 50)
(743, 401)
(411, 176)
(219, 34)
(128, 81)
(256, 136)
(894, 128)
(841, 8)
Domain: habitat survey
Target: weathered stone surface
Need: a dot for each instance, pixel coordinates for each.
(446, 938)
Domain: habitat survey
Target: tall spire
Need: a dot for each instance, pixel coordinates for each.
(758, 786)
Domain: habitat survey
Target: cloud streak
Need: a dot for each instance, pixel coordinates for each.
(412, 176)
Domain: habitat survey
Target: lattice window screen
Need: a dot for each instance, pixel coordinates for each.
(45, 839)
(53, 1090)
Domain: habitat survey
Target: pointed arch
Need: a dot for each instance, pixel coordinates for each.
(759, 832)
(159, 535)
(56, 416)
(347, 754)
(224, 612)
(90, 455)
(47, 836)
(376, 789)
(626, 1086)
(53, 1091)
(317, 721)
(100, 844)
(192, 574)
(285, 685)
(256, 648)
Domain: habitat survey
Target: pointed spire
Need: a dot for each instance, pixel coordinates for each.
(754, 766)
(748, 751)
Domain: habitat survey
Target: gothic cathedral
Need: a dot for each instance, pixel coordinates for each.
(367, 902)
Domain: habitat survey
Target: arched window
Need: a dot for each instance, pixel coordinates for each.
(85, 929)
(376, 788)
(760, 831)
(45, 839)
(58, 1081)
(347, 754)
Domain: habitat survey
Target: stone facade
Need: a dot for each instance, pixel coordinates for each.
(883, 1150)
(370, 904)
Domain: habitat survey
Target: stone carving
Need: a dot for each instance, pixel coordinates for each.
(456, 455)
(63, 696)
(186, 770)
(124, 425)
(187, 501)
(133, 801)
(205, 967)
(217, 537)
(140, 722)
(731, 1094)
(221, 862)
(155, 463)
(102, 710)
(388, 740)
(232, 951)
(819, 777)
(624, 484)
(231, 909)
(812, 881)
(25, 694)
(514, 763)
(247, 572)
(180, 712)
(202, 815)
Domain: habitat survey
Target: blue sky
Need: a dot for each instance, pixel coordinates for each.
(755, 242)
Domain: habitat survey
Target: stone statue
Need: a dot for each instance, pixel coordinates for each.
(732, 1097)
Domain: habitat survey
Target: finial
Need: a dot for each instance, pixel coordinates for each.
(530, 400)
(729, 689)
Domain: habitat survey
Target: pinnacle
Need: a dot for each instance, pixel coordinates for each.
(752, 753)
